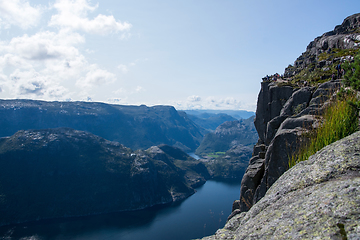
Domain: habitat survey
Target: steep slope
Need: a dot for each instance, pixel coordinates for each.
(228, 135)
(226, 151)
(63, 172)
(137, 127)
(286, 108)
(231, 164)
(317, 199)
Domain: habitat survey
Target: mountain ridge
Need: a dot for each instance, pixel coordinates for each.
(62, 172)
(137, 127)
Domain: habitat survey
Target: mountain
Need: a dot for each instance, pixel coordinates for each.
(227, 150)
(210, 121)
(137, 127)
(231, 164)
(237, 114)
(317, 198)
(228, 135)
(54, 173)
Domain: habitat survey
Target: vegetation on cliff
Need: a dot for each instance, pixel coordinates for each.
(339, 120)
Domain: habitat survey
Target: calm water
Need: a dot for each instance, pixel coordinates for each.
(197, 216)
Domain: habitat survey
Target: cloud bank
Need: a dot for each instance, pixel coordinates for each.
(212, 102)
(18, 13)
(49, 64)
(73, 14)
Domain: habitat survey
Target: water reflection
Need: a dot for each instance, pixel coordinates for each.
(199, 215)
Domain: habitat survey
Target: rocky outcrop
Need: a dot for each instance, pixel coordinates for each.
(287, 108)
(282, 115)
(344, 36)
(62, 172)
(316, 199)
(137, 127)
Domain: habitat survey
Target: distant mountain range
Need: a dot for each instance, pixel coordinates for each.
(228, 135)
(137, 127)
(237, 114)
(210, 121)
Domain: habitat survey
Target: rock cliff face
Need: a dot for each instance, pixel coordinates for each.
(316, 199)
(62, 172)
(283, 113)
(137, 127)
(286, 108)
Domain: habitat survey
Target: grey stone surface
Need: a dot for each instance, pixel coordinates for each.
(280, 134)
(316, 199)
(344, 36)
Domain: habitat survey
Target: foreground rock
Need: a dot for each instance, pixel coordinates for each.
(317, 199)
(63, 172)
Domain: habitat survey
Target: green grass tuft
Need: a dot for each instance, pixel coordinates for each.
(339, 120)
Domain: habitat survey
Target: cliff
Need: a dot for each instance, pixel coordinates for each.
(316, 199)
(137, 127)
(62, 172)
(288, 107)
(283, 114)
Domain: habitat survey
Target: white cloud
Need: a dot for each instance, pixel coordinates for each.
(214, 102)
(123, 68)
(73, 14)
(139, 89)
(47, 64)
(38, 65)
(194, 98)
(34, 85)
(19, 13)
(96, 77)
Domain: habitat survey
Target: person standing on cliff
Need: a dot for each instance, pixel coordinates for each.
(338, 68)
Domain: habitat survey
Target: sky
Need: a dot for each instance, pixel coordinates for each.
(191, 54)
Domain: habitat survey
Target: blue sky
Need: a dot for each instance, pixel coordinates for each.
(192, 54)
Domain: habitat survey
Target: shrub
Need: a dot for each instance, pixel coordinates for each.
(340, 119)
(352, 73)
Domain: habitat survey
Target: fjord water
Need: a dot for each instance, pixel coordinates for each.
(197, 216)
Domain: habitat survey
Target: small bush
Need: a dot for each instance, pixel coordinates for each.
(339, 120)
(352, 73)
